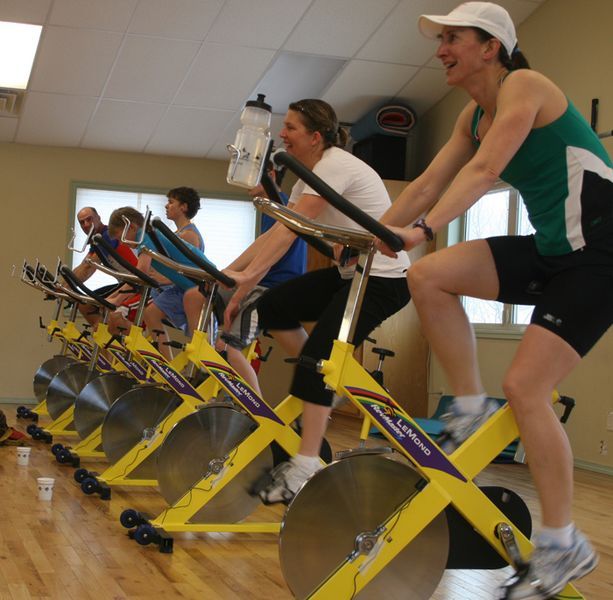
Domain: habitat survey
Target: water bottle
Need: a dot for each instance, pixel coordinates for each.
(251, 144)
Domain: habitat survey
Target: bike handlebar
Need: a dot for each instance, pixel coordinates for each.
(80, 288)
(146, 279)
(182, 247)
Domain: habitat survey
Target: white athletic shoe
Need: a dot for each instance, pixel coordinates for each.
(549, 569)
(460, 426)
(287, 479)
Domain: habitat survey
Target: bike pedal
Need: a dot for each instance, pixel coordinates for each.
(505, 534)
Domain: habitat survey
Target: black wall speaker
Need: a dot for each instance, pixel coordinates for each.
(386, 154)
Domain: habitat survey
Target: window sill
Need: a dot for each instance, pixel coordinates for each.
(499, 332)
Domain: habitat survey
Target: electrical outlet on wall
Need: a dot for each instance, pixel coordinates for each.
(604, 447)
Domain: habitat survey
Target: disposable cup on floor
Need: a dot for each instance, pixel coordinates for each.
(45, 488)
(23, 455)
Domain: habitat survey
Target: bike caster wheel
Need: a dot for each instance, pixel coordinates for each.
(90, 485)
(22, 411)
(145, 534)
(31, 428)
(81, 474)
(64, 456)
(56, 449)
(131, 518)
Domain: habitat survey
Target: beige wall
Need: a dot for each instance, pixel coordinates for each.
(570, 42)
(36, 195)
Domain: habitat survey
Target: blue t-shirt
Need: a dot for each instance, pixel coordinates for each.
(179, 280)
(292, 263)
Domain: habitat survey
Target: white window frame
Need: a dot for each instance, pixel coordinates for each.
(227, 230)
(508, 329)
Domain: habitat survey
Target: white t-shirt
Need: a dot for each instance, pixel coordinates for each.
(359, 184)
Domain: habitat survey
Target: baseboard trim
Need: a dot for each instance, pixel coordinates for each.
(589, 466)
(24, 401)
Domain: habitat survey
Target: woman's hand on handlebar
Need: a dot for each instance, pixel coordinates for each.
(244, 284)
(240, 278)
(411, 236)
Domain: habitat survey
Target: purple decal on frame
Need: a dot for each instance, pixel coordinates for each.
(134, 368)
(75, 349)
(405, 432)
(174, 379)
(243, 393)
(86, 351)
(103, 363)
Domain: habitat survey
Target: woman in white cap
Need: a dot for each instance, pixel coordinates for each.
(520, 127)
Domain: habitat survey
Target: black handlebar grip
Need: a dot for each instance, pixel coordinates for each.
(146, 279)
(270, 188)
(569, 404)
(182, 247)
(156, 242)
(102, 257)
(325, 191)
(273, 194)
(78, 286)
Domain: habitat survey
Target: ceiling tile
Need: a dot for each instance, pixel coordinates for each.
(54, 119)
(398, 39)
(218, 150)
(181, 71)
(425, 89)
(122, 125)
(326, 28)
(519, 9)
(8, 126)
(90, 55)
(183, 19)
(266, 27)
(150, 69)
(188, 131)
(223, 76)
(352, 99)
(18, 11)
(110, 15)
(295, 76)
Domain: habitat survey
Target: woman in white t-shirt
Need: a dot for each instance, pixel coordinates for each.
(311, 134)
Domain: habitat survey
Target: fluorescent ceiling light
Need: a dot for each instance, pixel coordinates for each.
(18, 44)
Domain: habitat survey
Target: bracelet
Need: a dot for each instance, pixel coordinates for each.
(421, 224)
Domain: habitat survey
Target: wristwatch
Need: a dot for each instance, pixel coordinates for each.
(421, 224)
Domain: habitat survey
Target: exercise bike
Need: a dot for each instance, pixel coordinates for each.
(231, 442)
(397, 525)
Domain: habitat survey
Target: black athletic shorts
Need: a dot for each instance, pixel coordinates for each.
(321, 296)
(572, 294)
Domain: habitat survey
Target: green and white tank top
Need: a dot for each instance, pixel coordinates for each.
(565, 178)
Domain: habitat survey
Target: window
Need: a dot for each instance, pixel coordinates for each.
(500, 212)
(227, 226)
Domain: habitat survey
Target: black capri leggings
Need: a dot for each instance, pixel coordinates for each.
(321, 296)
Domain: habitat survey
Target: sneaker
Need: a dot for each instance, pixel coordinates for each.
(286, 479)
(549, 569)
(460, 426)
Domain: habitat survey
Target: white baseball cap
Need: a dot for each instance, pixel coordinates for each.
(487, 16)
